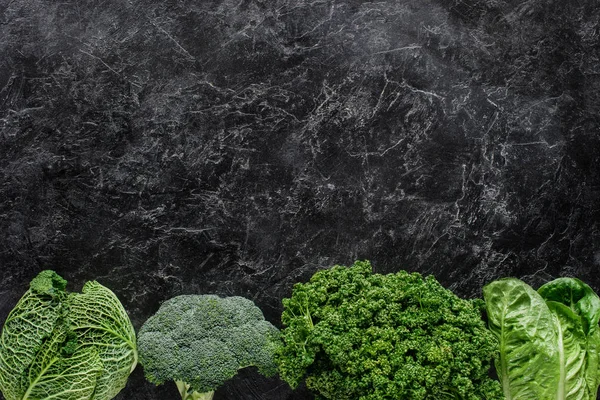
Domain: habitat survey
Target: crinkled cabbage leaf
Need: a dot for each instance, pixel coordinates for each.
(66, 346)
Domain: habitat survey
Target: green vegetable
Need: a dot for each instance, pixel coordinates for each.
(200, 341)
(355, 335)
(549, 339)
(66, 346)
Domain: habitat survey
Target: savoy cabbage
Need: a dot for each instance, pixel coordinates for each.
(66, 346)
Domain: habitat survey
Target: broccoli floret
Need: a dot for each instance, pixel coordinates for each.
(200, 341)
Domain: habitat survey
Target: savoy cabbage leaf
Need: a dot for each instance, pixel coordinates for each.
(66, 346)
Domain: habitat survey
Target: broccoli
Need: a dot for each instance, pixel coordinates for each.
(353, 334)
(200, 341)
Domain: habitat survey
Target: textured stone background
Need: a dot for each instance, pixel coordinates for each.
(237, 146)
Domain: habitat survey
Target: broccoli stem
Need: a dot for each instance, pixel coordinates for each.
(184, 391)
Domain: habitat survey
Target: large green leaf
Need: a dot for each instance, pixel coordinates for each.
(101, 322)
(576, 295)
(548, 339)
(28, 324)
(592, 376)
(529, 360)
(571, 347)
(577, 308)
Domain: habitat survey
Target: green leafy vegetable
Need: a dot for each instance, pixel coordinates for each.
(549, 339)
(66, 346)
(200, 341)
(357, 335)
